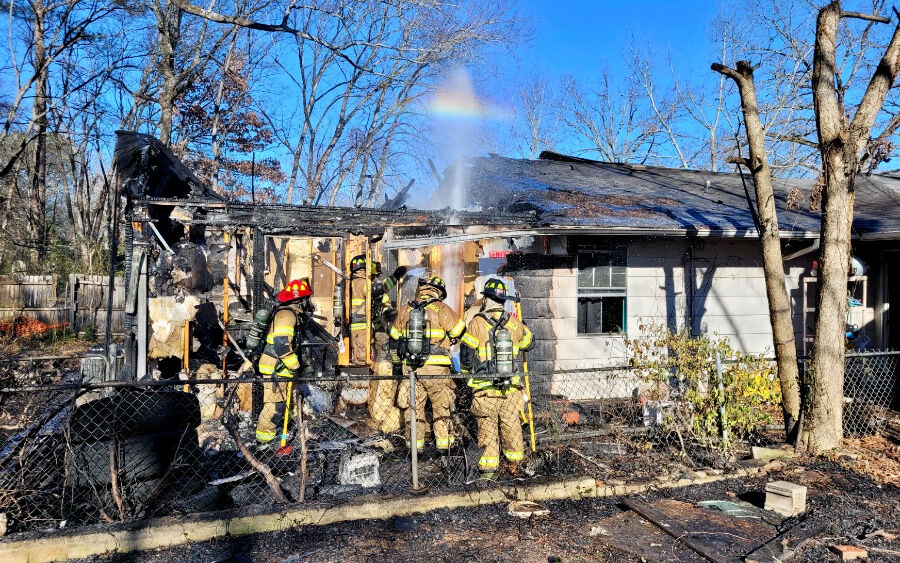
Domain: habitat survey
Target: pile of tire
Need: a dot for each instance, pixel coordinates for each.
(136, 451)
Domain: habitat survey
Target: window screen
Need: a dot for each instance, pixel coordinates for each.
(601, 291)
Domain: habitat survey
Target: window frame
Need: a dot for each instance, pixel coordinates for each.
(601, 292)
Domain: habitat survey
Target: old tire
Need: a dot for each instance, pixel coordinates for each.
(206, 499)
(133, 412)
(137, 458)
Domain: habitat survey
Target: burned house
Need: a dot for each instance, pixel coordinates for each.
(197, 266)
(593, 249)
(614, 246)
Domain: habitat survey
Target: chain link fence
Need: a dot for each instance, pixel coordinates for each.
(870, 391)
(79, 453)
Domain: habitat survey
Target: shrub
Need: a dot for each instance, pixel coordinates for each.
(676, 367)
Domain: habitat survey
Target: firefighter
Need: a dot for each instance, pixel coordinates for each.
(491, 344)
(428, 353)
(279, 357)
(381, 303)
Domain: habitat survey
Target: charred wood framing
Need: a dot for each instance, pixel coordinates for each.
(187, 217)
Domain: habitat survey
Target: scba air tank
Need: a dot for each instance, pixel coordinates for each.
(415, 332)
(258, 330)
(503, 348)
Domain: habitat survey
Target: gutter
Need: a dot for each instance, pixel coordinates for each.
(396, 242)
(803, 251)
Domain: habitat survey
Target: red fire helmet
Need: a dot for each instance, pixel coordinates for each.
(295, 290)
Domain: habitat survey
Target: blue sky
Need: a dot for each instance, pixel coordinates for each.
(574, 37)
(570, 38)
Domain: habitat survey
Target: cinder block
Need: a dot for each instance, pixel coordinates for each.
(360, 469)
(850, 552)
(787, 499)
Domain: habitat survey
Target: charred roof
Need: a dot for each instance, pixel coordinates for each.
(158, 183)
(148, 168)
(574, 192)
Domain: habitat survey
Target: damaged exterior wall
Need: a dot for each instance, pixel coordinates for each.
(711, 286)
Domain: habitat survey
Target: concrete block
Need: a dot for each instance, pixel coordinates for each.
(768, 454)
(850, 552)
(360, 469)
(787, 499)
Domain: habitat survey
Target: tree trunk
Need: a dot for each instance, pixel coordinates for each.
(825, 427)
(295, 168)
(218, 137)
(770, 239)
(824, 430)
(168, 23)
(39, 115)
(166, 110)
(842, 143)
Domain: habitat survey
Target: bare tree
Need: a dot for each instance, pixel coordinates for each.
(770, 239)
(358, 79)
(666, 109)
(845, 145)
(779, 37)
(614, 124)
(541, 118)
(53, 29)
(715, 132)
(78, 121)
(38, 196)
(184, 53)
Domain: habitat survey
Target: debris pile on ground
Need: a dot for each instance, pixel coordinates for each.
(844, 508)
(873, 456)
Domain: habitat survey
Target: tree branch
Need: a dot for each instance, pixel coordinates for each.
(257, 465)
(739, 160)
(740, 75)
(869, 17)
(873, 99)
(793, 139)
(275, 28)
(889, 129)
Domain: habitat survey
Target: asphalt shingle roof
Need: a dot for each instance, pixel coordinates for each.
(566, 191)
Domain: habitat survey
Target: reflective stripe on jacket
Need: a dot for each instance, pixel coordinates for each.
(280, 340)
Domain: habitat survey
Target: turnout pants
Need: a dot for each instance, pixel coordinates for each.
(383, 399)
(358, 342)
(498, 425)
(271, 418)
(440, 393)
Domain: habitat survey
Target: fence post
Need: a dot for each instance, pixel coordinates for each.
(723, 420)
(71, 294)
(413, 439)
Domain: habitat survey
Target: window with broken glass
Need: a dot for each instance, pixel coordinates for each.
(601, 291)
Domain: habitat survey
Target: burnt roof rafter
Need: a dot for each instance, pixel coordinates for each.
(274, 218)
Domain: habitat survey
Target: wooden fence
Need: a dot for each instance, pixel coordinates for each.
(81, 301)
